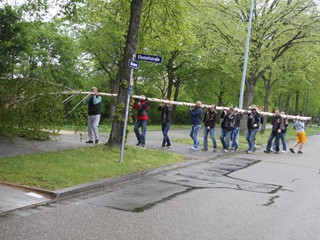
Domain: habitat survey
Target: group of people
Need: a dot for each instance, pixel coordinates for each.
(230, 126)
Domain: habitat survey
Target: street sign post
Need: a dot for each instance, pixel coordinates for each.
(134, 64)
(149, 58)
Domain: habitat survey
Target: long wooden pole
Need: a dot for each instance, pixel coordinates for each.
(303, 118)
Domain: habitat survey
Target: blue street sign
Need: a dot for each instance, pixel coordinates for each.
(133, 64)
(149, 58)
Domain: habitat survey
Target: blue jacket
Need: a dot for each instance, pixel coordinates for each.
(196, 116)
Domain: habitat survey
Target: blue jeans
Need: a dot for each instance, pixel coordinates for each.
(194, 135)
(205, 137)
(165, 129)
(225, 134)
(234, 137)
(276, 142)
(251, 135)
(141, 137)
(282, 136)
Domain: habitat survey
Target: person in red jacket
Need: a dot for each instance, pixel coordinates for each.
(142, 119)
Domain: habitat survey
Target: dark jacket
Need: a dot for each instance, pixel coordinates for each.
(238, 117)
(210, 119)
(285, 125)
(94, 109)
(195, 116)
(277, 123)
(228, 121)
(253, 121)
(142, 107)
(166, 115)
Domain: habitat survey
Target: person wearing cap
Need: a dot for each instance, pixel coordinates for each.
(227, 126)
(195, 119)
(94, 112)
(253, 125)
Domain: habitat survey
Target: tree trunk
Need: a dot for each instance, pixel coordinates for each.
(113, 100)
(297, 103)
(266, 108)
(175, 98)
(115, 139)
(247, 100)
(281, 101)
(288, 104)
(308, 100)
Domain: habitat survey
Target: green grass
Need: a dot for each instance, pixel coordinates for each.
(261, 139)
(57, 170)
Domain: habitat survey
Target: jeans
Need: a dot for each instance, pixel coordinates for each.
(276, 142)
(205, 137)
(93, 123)
(141, 137)
(251, 135)
(282, 136)
(225, 134)
(194, 135)
(234, 137)
(165, 129)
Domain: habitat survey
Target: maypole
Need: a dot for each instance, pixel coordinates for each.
(244, 111)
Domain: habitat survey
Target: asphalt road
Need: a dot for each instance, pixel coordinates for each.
(225, 196)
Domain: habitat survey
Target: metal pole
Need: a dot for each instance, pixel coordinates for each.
(244, 70)
(126, 116)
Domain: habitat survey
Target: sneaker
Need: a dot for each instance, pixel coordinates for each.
(90, 141)
(204, 149)
(271, 150)
(276, 152)
(138, 144)
(236, 148)
(96, 141)
(215, 149)
(300, 152)
(193, 149)
(291, 150)
(249, 152)
(168, 145)
(225, 150)
(142, 145)
(267, 151)
(284, 151)
(163, 146)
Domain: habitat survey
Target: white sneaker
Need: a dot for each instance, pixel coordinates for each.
(283, 151)
(193, 149)
(225, 150)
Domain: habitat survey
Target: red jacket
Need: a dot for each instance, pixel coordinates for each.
(142, 107)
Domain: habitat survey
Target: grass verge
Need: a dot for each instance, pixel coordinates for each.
(57, 170)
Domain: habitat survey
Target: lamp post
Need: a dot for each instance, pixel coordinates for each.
(245, 63)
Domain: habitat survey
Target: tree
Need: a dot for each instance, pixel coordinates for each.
(124, 73)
